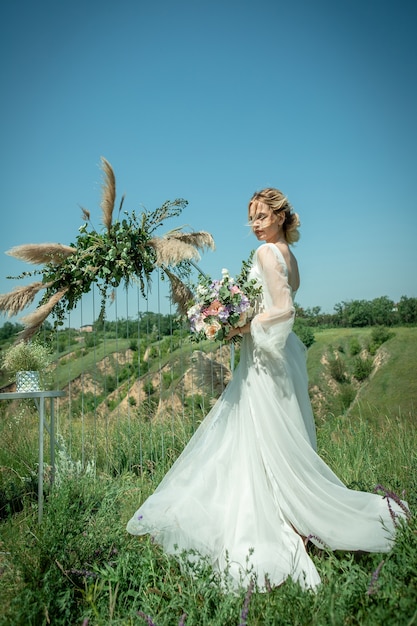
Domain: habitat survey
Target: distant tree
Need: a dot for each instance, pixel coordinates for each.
(339, 315)
(9, 330)
(383, 311)
(313, 315)
(358, 313)
(304, 332)
(407, 310)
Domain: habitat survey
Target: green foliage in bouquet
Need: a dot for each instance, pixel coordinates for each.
(219, 305)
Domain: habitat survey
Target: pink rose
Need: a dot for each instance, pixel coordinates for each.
(213, 309)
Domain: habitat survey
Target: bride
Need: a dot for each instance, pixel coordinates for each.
(249, 489)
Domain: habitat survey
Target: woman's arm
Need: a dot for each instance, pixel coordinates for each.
(278, 304)
(271, 327)
(241, 330)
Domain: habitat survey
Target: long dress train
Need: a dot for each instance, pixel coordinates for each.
(250, 482)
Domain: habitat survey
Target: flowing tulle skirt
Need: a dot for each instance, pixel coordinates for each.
(249, 484)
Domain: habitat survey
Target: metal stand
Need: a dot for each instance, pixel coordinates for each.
(39, 398)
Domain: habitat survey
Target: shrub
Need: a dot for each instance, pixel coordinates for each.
(379, 335)
(111, 383)
(304, 332)
(91, 340)
(148, 388)
(354, 347)
(362, 368)
(337, 369)
(347, 395)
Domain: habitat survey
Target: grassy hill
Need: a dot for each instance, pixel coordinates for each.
(349, 373)
(80, 566)
(390, 388)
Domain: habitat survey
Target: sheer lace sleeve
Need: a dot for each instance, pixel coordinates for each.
(272, 325)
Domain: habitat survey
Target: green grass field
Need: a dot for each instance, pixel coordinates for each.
(80, 567)
(391, 389)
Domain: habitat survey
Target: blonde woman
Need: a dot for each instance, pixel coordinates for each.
(249, 490)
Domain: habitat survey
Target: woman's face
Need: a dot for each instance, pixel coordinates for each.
(265, 224)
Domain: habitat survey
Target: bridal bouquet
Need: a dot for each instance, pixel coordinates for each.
(220, 305)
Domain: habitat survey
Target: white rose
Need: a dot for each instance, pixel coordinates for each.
(211, 329)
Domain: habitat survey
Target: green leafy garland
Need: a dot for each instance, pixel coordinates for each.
(117, 256)
(127, 251)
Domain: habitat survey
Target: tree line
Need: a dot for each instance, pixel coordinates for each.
(352, 314)
(381, 311)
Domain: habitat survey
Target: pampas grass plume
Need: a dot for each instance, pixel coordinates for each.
(40, 253)
(109, 193)
(20, 298)
(175, 246)
(181, 295)
(34, 320)
(200, 239)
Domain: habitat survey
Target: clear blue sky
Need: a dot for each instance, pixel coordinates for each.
(210, 101)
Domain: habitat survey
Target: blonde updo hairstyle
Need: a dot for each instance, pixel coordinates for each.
(278, 203)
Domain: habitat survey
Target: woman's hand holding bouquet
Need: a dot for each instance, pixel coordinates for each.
(221, 307)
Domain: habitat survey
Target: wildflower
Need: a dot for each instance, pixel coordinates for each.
(373, 585)
(245, 609)
(317, 539)
(390, 495)
(147, 618)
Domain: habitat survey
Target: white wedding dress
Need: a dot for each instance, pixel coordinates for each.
(250, 482)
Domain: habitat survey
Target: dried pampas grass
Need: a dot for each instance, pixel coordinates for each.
(18, 299)
(34, 320)
(86, 214)
(39, 253)
(176, 247)
(109, 193)
(180, 294)
(172, 251)
(200, 240)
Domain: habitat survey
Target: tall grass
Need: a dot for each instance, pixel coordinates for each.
(81, 567)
